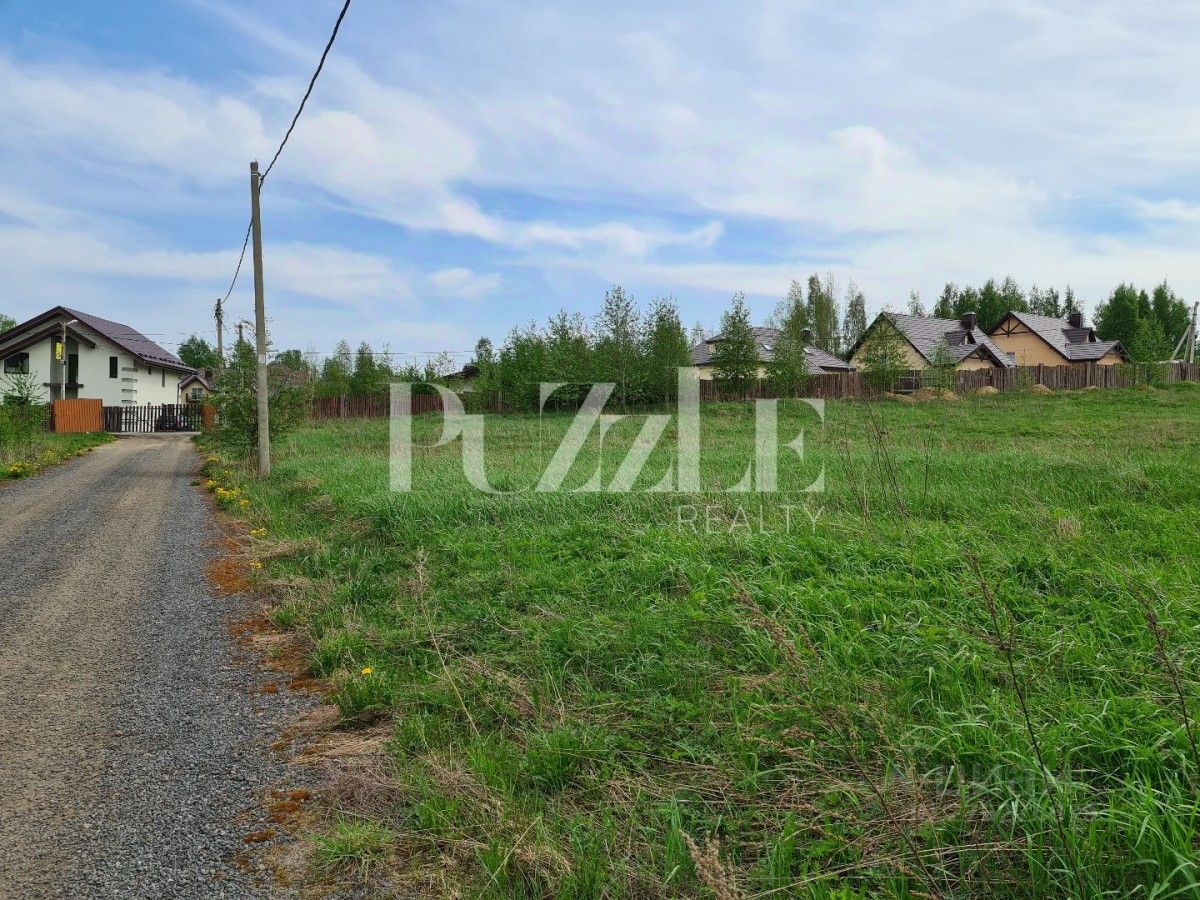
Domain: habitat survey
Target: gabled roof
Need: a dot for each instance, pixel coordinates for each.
(765, 340)
(1070, 342)
(197, 377)
(927, 334)
(128, 339)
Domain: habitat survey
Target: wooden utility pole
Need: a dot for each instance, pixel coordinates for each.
(260, 329)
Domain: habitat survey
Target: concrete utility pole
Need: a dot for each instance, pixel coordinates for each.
(64, 356)
(1185, 350)
(220, 317)
(260, 329)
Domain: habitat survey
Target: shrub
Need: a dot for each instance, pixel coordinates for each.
(236, 399)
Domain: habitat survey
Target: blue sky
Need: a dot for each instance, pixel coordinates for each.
(467, 166)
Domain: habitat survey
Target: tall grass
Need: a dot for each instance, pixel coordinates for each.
(591, 699)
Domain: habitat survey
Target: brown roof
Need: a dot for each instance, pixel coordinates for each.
(765, 340)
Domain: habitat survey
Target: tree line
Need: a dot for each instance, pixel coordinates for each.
(639, 348)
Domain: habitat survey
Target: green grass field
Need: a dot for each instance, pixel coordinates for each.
(591, 699)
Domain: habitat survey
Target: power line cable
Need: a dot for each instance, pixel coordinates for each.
(311, 83)
(296, 118)
(237, 271)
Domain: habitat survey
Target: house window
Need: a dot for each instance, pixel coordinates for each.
(197, 394)
(164, 377)
(17, 364)
(112, 367)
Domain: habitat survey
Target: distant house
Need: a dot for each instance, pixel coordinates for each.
(1042, 340)
(925, 340)
(196, 387)
(464, 379)
(765, 340)
(105, 360)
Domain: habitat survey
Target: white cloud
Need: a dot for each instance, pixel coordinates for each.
(895, 143)
(619, 237)
(464, 283)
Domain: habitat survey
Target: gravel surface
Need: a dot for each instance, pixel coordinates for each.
(134, 743)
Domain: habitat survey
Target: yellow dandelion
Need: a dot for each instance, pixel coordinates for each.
(367, 670)
(243, 503)
(258, 532)
(255, 565)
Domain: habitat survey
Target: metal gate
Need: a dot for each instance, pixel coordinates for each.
(151, 419)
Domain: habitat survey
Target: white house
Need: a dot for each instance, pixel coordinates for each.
(105, 360)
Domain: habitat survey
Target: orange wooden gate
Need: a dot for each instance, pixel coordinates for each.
(75, 416)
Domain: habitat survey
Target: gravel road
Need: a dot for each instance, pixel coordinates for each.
(134, 747)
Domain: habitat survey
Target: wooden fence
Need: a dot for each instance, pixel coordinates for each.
(853, 385)
(77, 416)
(368, 407)
(847, 386)
(151, 419)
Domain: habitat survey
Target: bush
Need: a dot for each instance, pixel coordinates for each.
(21, 417)
(236, 400)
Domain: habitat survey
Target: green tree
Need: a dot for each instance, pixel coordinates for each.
(521, 367)
(823, 312)
(485, 354)
(7, 322)
(1012, 299)
(1170, 312)
(965, 301)
(1117, 317)
(1069, 305)
(882, 357)
(792, 304)
(789, 366)
(336, 372)
(236, 399)
(855, 323)
(735, 350)
(991, 305)
(292, 359)
(367, 379)
(915, 306)
(198, 354)
(568, 358)
(667, 349)
(1148, 343)
(947, 304)
(619, 345)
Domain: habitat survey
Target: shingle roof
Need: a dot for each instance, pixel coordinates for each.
(123, 336)
(132, 340)
(765, 339)
(197, 377)
(927, 333)
(1093, 350)
(1071, 342)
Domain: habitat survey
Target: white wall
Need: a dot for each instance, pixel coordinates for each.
(135, 384)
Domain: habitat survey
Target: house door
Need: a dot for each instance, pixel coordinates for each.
(72, 376)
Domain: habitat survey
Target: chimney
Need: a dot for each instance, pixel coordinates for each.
(1075, 319)
(807, 336)
(968, 321)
